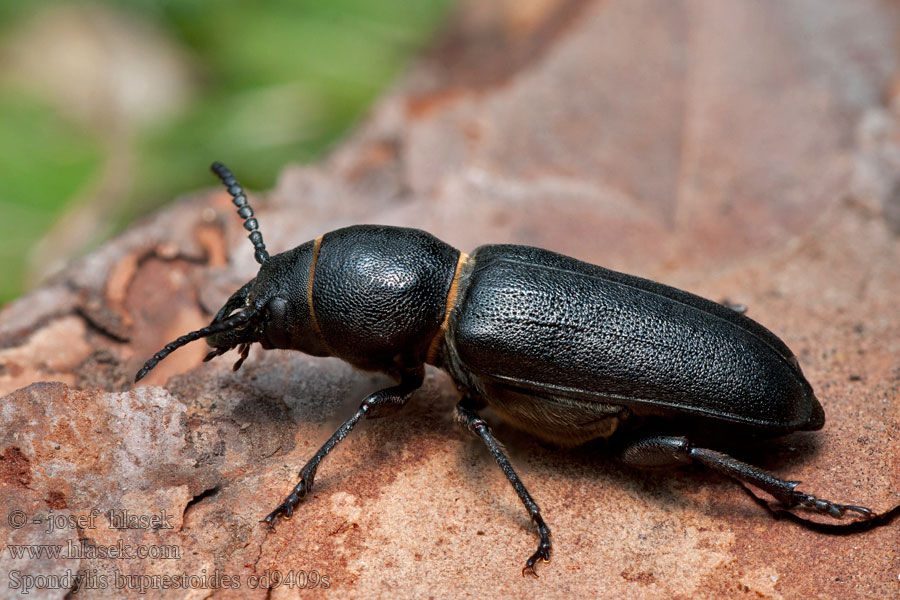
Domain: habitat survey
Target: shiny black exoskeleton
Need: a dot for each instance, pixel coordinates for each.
(566, 350)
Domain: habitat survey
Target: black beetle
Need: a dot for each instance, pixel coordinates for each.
(566, 350)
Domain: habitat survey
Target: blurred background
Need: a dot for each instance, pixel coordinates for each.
(109, 109)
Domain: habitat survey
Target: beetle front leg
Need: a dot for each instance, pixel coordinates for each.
(472, 422)
(395, 395)
(664, 451)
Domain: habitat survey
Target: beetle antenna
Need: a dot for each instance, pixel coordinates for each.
(229, 323)
(239, 198)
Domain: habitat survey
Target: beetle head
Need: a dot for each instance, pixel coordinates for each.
(242, 334)
(240, 322)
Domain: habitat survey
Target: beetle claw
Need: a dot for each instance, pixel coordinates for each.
(284, 510)
(543, 549)
(543, 553)
(863, 513)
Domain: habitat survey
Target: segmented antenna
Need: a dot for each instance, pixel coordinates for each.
(244, 209)
(229, 323)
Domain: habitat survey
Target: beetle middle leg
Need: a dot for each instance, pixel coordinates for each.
(396, 395)
(468, 418)
(664, 451)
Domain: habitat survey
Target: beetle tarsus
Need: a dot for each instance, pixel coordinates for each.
(284, 510)
(832, 509)
(541, 554)
(544, 547)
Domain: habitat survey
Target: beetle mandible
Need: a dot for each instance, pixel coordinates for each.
(566, 350)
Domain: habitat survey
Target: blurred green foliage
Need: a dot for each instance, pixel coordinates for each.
(276, 82)
(44, 161)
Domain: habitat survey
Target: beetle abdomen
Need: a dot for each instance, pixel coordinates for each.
(532, 319)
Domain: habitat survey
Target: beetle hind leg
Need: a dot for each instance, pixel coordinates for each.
(666, 451)
(468, 418)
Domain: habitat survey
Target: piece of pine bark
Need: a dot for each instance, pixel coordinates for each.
(740, 150)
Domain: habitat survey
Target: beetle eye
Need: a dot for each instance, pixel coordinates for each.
(276, 310)
(276, 322)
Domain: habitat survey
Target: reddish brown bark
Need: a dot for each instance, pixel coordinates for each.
(741, 150)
